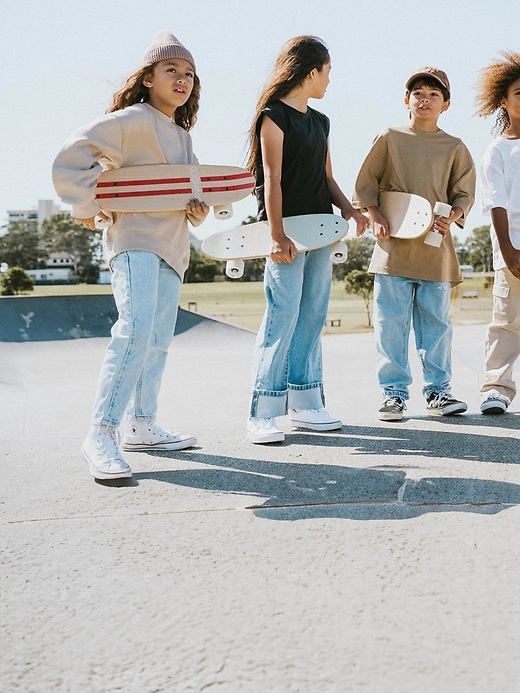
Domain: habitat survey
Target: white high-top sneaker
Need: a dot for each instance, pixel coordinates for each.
(101, 450)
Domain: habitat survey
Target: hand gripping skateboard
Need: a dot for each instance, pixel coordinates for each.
(166, 187)
(411, 216)
(308, 232)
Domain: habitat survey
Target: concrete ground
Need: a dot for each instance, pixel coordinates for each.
(380, 558)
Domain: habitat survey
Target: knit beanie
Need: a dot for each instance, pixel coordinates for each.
(167, 46)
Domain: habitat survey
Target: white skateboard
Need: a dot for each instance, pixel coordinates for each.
(411, 216)
(250, 241)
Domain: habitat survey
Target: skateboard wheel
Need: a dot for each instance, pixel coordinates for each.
(223, 211)
(102, 224)
(235, 268)
(339, 252)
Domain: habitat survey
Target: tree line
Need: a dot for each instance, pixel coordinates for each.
(23, 246)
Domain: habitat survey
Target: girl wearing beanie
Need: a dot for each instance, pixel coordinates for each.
(147, 123)
(289, 155)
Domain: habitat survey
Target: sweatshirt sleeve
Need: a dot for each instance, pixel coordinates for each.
(83, 157)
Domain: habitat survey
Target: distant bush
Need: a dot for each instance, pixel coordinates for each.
(16, 281)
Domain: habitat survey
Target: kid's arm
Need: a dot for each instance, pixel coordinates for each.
(90, 222)
(378, 223)
(510, 254)
(283, 249)
(76, 168)
(341, 202)
(368, 184)
(196, 211)
(442, 224)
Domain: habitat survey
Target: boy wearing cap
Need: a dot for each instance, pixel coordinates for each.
(412, 279)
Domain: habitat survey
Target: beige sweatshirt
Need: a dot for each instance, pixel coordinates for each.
(436, 166)
(136, 135)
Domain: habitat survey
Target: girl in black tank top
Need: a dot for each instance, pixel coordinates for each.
(289, 155)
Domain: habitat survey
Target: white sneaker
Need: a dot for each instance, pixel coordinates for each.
(314, 419)
(101, 450)
(147, 435)
(264, 430)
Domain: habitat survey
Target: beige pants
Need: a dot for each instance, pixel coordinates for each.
(503, 336)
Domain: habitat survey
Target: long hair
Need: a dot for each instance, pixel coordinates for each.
(298, 57)
(133, 91)
(493, 87)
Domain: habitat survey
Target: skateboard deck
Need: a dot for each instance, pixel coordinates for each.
(166, 187)
(408, 215)
(308, 232)
(250, 241)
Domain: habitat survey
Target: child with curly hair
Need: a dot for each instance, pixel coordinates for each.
(499, 92)
(148, 122)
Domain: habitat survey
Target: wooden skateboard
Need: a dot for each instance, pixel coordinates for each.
(308, 232)
(166, 187)
(408, 215)
(411, 216)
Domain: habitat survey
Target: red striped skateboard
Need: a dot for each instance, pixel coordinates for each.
(165, 187)
(249, 241)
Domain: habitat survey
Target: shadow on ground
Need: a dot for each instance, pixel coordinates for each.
(295, 490)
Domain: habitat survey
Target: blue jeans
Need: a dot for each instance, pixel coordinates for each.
(398, 304)
(146, 291)
(287, 369)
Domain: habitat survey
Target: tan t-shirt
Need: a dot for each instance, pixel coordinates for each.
(136, 135)
(436, 166)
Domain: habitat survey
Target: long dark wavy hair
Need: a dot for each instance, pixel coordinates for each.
(133, 91)
(493, 87)
(298, 57)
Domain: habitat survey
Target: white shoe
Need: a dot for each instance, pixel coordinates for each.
(147, 435)
(314, 419)
(101, 450)
(264, 430)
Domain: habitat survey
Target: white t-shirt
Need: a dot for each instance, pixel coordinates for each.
(500, 176)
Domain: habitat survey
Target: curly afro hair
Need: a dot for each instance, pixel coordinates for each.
(493, 86)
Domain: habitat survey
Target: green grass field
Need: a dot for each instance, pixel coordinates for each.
(242, 303)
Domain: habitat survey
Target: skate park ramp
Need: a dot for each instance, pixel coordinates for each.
(55, 318)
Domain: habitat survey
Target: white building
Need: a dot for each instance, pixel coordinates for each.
(44, 210)
(60, 275)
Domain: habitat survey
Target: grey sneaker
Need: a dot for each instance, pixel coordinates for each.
(101, 450)
(495, 404)
(392, 409)
(444, 404)
(264, 430)
(146, 435)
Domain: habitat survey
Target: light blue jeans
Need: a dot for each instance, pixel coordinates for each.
(398, 304)
(146, 291)
(287, 368)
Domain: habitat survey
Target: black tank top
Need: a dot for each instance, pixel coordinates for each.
(304, 184)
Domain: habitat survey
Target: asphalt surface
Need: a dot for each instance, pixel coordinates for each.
(383, 557)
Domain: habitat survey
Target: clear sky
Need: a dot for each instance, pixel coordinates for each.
(62, 60)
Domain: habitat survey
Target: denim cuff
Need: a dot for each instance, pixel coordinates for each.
(269, 404)
(306, 396)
